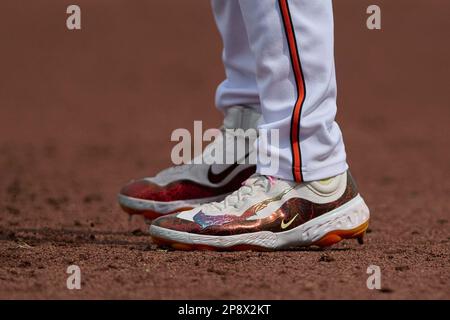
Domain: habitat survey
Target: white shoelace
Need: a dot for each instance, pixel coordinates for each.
(252, 185)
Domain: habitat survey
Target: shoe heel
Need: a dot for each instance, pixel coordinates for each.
(336, 236)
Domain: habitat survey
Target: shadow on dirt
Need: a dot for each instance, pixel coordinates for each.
(63, 236)
(136, 240)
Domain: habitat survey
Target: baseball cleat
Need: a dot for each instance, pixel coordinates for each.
(270, 214)
(189, 185)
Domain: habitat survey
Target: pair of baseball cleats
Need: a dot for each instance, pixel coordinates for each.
(230, 207)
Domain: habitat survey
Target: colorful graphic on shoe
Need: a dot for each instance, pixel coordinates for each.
(321, 213)
(270, 214)
(207, 220)
(152, 200)
(228, 224)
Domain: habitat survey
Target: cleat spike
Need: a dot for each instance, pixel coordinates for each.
(361, 238)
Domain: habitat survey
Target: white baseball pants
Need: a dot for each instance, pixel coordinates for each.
(279, 59)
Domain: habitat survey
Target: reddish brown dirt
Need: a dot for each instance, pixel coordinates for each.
(83, 112)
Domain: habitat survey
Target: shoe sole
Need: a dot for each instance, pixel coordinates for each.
(350, 221)
(151, 209)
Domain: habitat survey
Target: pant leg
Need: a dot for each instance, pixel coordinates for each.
(292, 42)
(239, 87)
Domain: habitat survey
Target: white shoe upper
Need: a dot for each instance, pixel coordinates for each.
(223, 147)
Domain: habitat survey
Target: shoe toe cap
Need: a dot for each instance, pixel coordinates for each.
(173, 222)
(141, 189)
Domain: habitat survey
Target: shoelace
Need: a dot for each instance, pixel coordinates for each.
(249, 188)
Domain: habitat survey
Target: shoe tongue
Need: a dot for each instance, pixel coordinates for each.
(257, 180)
(254, 178)
(239, 117)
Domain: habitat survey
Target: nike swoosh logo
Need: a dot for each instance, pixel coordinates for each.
(219, 177)
(285, 225)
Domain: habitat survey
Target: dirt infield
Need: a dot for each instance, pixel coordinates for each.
(82, 112)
